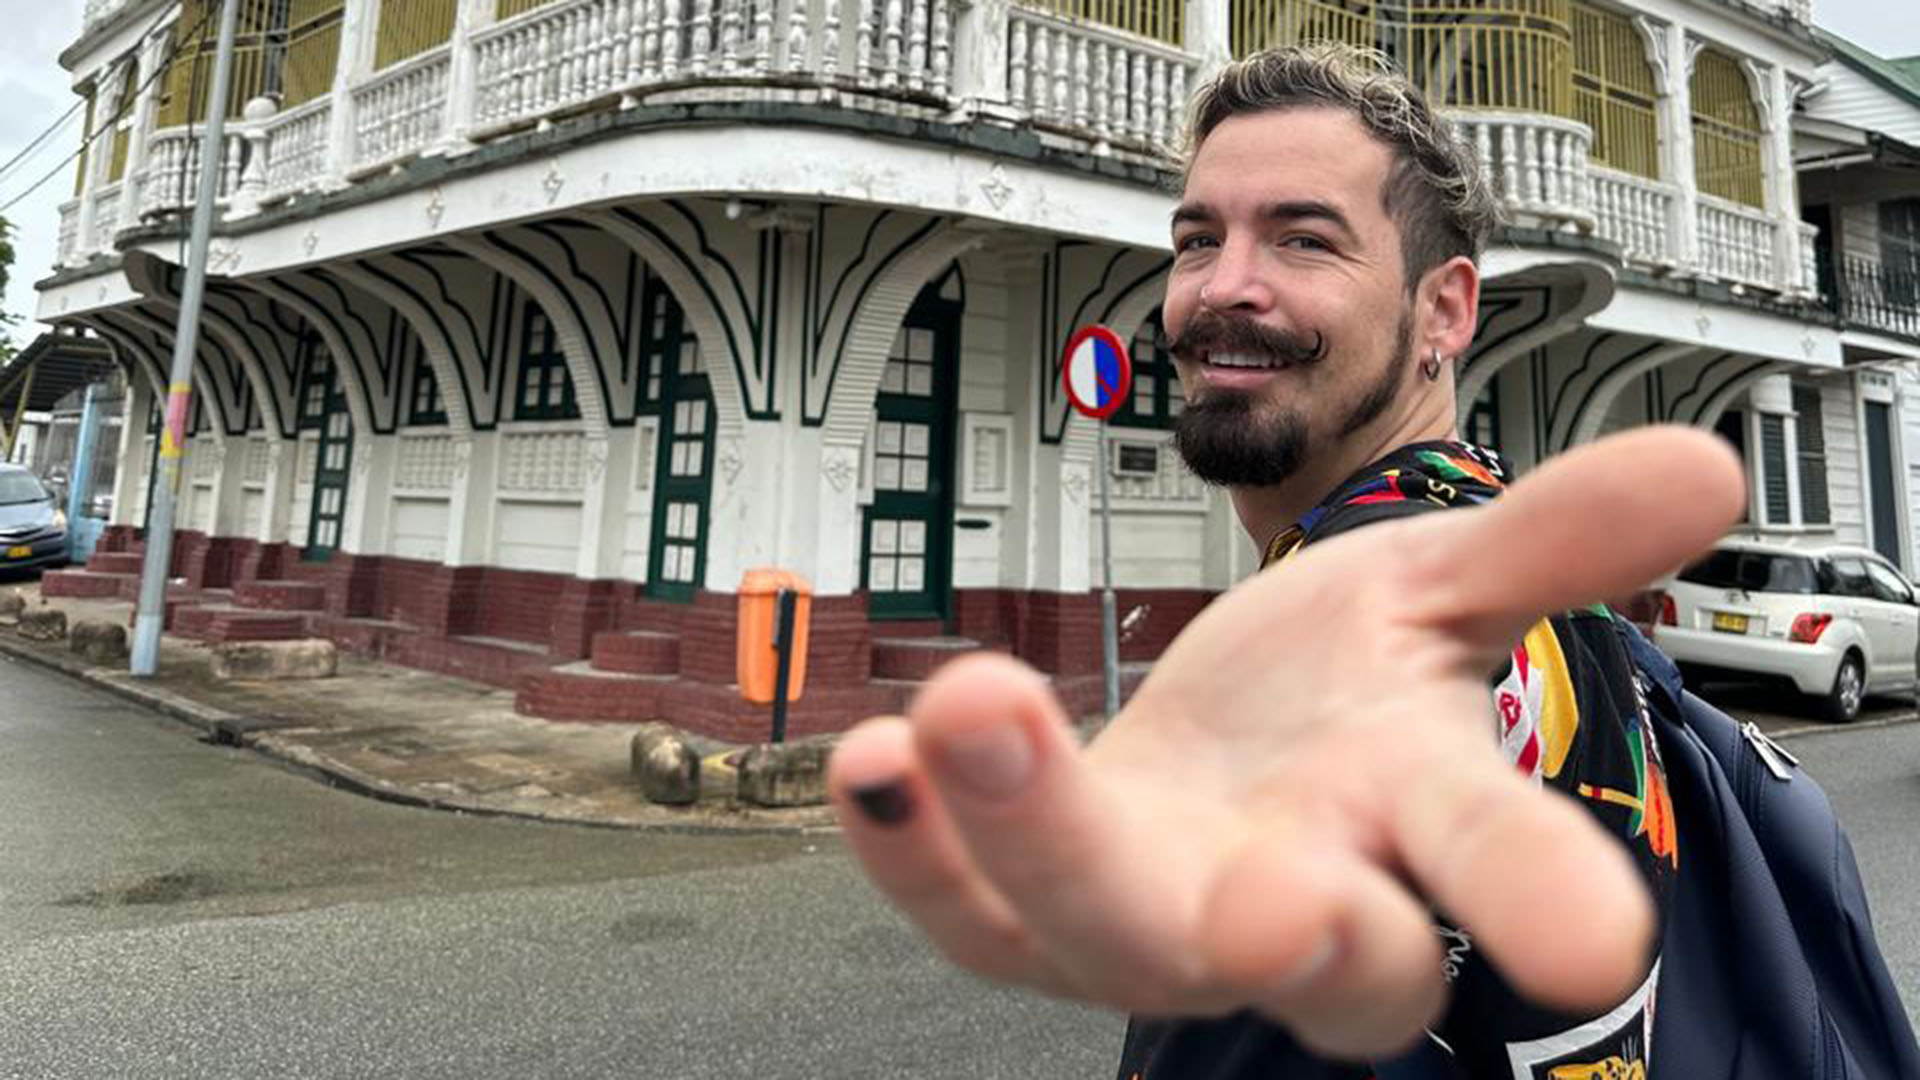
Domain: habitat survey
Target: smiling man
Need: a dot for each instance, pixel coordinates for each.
(1317, 835)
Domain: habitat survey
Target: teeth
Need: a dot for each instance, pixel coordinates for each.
(1243, 360)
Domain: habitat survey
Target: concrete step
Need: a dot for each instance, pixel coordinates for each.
(115, 562)
(80, 584)
(280, 595)
(637, 652)
(578, 691)
(914, 658)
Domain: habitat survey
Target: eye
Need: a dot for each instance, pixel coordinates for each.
(1193, 241)
(1306, 242)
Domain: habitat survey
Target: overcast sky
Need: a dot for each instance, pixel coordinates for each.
(34, 92)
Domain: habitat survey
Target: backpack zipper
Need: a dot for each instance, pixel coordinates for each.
(1772, 754)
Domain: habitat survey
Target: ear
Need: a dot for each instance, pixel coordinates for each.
(1446, 306)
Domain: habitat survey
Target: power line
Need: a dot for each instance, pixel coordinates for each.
(120, 110)
(54, 129)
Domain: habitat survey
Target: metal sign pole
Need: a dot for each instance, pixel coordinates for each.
(173, 434)
(1109, 618)
(80, 477)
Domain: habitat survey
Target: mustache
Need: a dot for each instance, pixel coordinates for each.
(1210, 331)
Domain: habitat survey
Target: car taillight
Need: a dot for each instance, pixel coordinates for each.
(1669, 611)
(1808, 628)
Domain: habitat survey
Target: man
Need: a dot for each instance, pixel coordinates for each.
(1299, 833)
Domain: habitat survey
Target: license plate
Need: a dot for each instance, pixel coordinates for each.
(1731, 624)
(22, 552)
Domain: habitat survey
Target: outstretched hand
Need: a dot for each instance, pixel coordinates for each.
(1308, 771)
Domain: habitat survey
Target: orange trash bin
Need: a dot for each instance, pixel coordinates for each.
(757, 657)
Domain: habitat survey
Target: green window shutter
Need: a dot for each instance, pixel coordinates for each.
(1811, 431)
(1773, 470)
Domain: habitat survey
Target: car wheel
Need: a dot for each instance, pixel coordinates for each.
(1842, 703)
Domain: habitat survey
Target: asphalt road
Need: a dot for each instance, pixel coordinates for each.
(170, 908)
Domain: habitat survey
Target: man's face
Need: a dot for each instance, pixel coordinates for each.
(1287, 305)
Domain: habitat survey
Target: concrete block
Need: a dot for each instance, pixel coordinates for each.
(98, 641)
(786, 774)
(666, 764)
(42, 624)
(307, 659)
(11, 605)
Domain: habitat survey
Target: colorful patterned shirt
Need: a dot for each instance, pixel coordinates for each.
(1569, 714)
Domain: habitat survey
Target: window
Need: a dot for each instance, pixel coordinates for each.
(1156, 398)
(666, 341)
(1850, 579)
(1726, 131)
(1776, 495)
(1755, 571)
(1483, 420)
(316, 384)
(1900, 252)
(1887, 585)
(122, 122)
(1810, 431)
(1614, 91)
(425, 406)
(545, 390)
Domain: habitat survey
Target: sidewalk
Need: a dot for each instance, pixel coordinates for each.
(406, 736)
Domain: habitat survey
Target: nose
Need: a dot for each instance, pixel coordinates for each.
(1235, 280)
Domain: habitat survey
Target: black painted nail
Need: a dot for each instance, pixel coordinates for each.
(884, 804)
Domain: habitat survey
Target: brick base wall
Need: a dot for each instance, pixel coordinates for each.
(1058, 633)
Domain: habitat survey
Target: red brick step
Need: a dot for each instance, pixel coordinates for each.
(916, 657)
(577, 691)
(115, 562)
(274, 595)
(80, 584)
(641, 652)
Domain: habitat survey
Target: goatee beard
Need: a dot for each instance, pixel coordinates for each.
(1227, 441)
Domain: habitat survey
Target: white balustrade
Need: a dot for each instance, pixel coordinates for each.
(171, 178)
(1635, 213)
(427, 462)
(543, 462)
(1093, 81)
(106, 217)
(99, 11)
(400, 111)
(68, 249)
(1809, 258)
(1536, 164)
(296, 149)
(1736, 243)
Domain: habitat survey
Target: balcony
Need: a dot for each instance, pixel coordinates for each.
(1564, 153)
(1869, 295)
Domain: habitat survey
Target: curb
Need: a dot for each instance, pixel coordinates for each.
(232, 729)
(1838, 729)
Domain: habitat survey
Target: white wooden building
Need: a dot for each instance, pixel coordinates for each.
(536, 323)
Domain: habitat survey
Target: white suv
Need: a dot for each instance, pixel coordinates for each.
(1839, 622)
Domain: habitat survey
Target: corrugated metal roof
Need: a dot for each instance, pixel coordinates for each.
(59, 363)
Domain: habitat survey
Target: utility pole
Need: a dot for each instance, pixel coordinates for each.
(151, 615)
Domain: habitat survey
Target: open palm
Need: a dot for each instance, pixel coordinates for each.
(1308, 772)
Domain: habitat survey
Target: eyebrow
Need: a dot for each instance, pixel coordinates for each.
(1283, 211)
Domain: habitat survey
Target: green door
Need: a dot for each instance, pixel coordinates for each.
(906, 556)
(683, 474)
(323, 407)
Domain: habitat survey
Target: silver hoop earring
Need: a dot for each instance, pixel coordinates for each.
(1431, 367)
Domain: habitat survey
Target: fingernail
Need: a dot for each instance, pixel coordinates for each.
(994, 760)
(884, 804)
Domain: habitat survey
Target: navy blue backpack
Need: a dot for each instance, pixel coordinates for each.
(1769, 966)
(1769, 969)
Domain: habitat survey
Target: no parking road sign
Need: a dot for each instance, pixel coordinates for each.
(1097, 371)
